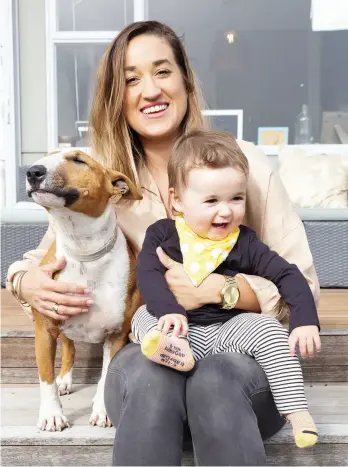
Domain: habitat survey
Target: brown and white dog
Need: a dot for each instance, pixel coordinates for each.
(76, 190)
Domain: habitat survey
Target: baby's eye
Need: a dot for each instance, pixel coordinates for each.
(211, 201)
(238, 198)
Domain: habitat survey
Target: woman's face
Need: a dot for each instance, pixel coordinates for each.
(155, 100)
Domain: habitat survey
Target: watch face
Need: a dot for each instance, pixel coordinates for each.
(235, 294)
(232, 295)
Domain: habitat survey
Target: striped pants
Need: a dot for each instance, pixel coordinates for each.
(258, 336)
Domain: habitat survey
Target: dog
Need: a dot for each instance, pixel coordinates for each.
(76, 191)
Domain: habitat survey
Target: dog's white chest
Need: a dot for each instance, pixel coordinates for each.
(107, 279)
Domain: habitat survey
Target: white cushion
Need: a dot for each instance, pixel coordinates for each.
(314, 181)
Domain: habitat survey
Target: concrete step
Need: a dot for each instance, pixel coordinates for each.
(23, 444)
(18, 364)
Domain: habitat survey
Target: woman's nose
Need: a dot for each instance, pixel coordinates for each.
(151, 90)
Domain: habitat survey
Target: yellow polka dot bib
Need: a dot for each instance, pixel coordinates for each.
(201, 256)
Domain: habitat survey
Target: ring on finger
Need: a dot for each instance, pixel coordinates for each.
(55, 308)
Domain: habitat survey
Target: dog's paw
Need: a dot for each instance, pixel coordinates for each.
(52, 419)
(64, 384)
(99, 418)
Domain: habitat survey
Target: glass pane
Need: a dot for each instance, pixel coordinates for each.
(263, 57)
(94, 15)
(76, 69)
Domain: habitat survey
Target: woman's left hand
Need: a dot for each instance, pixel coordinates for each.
(185, 292)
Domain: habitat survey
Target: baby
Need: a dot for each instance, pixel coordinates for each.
(208, 176)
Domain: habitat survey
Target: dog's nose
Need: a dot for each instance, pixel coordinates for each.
(36, 173)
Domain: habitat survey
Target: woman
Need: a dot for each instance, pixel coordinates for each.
(146, 96)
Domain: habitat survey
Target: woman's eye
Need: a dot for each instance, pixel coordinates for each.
(163, 72)
(131, 80)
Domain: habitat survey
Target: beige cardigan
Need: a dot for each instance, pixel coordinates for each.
(269, 212)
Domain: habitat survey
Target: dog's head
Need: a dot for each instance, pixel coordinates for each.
(76, 181)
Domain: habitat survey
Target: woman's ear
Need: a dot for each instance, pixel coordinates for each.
(175, 200)
(123, 186)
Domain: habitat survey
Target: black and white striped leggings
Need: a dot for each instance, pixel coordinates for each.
(258, 336)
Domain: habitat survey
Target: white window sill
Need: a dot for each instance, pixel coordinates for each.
(340, 149)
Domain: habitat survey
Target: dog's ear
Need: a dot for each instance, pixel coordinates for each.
(123, 186)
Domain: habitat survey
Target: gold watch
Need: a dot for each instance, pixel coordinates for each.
(230, 293)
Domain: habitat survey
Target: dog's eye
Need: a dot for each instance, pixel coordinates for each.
(78, 160)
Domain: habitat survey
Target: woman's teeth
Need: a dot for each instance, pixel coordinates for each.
(155, 109)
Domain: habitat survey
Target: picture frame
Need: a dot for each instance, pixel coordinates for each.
(272, 135)
(230, 120)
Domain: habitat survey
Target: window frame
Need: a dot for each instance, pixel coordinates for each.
(11, 111)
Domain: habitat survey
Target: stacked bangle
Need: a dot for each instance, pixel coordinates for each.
(16, 288)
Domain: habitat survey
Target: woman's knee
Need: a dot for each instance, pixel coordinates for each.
(137, 387)
(219, 376)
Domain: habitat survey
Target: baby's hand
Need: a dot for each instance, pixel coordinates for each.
(304, 336)
(177, 321)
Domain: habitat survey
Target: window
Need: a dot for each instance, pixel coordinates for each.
(264, 58)
(78, 32)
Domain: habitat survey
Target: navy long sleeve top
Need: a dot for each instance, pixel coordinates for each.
(249, 256)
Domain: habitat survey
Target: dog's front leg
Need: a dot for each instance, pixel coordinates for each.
(64, 379)
(99, 416)
(51, 416)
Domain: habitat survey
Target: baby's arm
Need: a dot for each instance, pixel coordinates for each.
(151, 279)
(293, 287)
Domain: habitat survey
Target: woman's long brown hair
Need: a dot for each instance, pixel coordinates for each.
(114, 143)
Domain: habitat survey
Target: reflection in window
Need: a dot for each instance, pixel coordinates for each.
(76, 71)
(94, 15)
(264, 58)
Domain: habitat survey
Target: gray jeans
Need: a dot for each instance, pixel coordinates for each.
(225, 400)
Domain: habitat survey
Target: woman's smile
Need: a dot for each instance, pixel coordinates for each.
(156, 110)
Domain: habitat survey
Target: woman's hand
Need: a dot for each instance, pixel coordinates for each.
(175, 321)
(42, 292)
(186, 294)
(306, 337)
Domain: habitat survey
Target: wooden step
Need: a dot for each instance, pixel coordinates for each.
(18, 360)
(18, 356)
(24, 444)
(333, 312)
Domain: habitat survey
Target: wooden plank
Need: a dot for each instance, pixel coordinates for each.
(79, 435)
(332, 311)
(319, 455)
(323, 455)
(22, 349)
(56, 455)
(92, 375)
(19, 417)
(14, 349)
(30, 375)
(325, 374)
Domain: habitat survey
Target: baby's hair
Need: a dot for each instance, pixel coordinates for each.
(204, 149)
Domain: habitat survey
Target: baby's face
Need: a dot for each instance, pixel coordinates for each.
(213, 203)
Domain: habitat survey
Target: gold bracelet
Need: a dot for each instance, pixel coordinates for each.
(16, 288)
